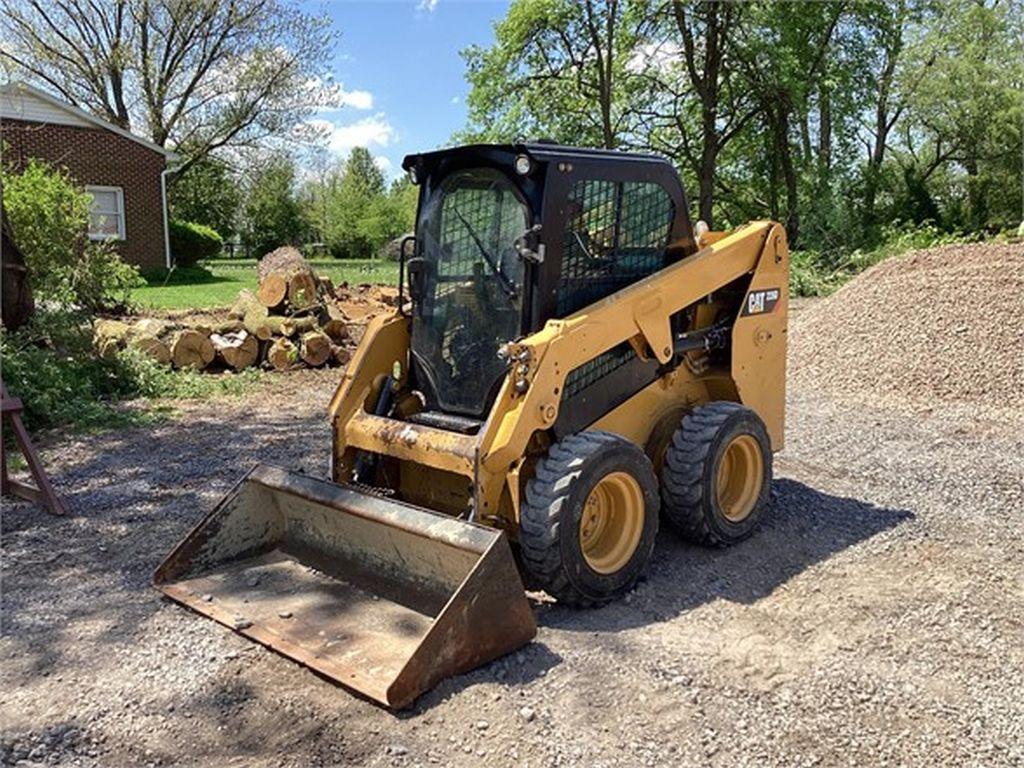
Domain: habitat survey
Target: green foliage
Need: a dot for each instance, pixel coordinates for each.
(271, 214)
(558, 69)
(352, 213)
(191, 242)
(49, 215)
(206, 193)
(833, 117)
(818, 273)
(51, 366)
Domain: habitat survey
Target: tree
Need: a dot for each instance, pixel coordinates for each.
(194, 76)
(361, 185)
(207, 194)
(272, 216)
(692, 106)
(557, 69)
(969, 110)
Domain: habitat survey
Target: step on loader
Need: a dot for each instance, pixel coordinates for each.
(570, 363)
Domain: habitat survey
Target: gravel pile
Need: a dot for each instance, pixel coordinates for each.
(945, 323)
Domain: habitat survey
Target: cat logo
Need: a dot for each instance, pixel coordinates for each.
(760, 302)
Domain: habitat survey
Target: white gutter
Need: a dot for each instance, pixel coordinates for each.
(167, 230)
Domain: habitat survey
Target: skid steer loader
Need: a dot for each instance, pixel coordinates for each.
(570, 362)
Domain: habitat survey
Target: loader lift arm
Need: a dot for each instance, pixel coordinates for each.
(640, 311)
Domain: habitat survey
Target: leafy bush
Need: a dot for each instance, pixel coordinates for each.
(814, 273)
(51, 366)
(48, 216)
(191, 242)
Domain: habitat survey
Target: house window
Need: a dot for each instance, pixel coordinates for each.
(106, 213)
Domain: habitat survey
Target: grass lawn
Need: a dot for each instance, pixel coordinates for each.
(217, 282)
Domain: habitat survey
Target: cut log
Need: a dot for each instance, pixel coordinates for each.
(245, 301)
(110, 329)
(109, 336)
(334, 322)
(302, 290)
(149, 327)
(341, 354)
(282, 259)
(336, 329)
(255, 321)
(273, 289)
(237, 350)
(278, 326)
(282, 355)
(315, 348)
(152, 347)
(228, 326)
(191, 349)
(326, 285)
(107, 348)
(305, 324)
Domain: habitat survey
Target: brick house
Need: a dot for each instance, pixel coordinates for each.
(124, 173)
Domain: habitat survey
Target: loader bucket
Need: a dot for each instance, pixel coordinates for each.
(383, 597)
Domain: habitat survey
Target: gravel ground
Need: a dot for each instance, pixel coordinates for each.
(876, 619)
(942, 324)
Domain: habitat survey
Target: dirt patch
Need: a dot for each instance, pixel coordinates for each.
(943, 324)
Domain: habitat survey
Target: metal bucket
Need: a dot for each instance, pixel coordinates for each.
(384, 597)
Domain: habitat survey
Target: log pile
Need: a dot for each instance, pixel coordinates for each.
(294, 319)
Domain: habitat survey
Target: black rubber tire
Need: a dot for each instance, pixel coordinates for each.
(552, 509)
(689, 502)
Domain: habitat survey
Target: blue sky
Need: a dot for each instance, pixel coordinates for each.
(401, 75)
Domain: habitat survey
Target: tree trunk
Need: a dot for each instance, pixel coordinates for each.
(282, 355)
(16, 291)
(708, 167)
(315, 348)
(272, 290)
(302, 291)
(780, 127)
(191, 349)
(236, 350)
(152, 347)
(825, 130)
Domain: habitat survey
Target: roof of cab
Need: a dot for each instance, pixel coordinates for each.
(539, 151)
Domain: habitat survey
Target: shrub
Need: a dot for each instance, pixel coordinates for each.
(191, 242)
(50, 365)
(813, 273)
(48, 216)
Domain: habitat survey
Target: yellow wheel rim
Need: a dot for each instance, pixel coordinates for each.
(612, 522)
(740, 476)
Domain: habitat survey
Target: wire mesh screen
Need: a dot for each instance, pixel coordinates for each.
(594, 370)
(616, 234)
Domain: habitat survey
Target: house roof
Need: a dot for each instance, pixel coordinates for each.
(77, 116)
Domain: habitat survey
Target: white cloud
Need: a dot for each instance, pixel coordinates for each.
(385, 165)
(427, 5)
(455, 99)
(368, 132)
(355, 99)
(330, 95)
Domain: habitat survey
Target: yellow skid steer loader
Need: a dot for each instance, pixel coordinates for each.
(570, 361)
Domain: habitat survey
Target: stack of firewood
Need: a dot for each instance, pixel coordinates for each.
(293, 319)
